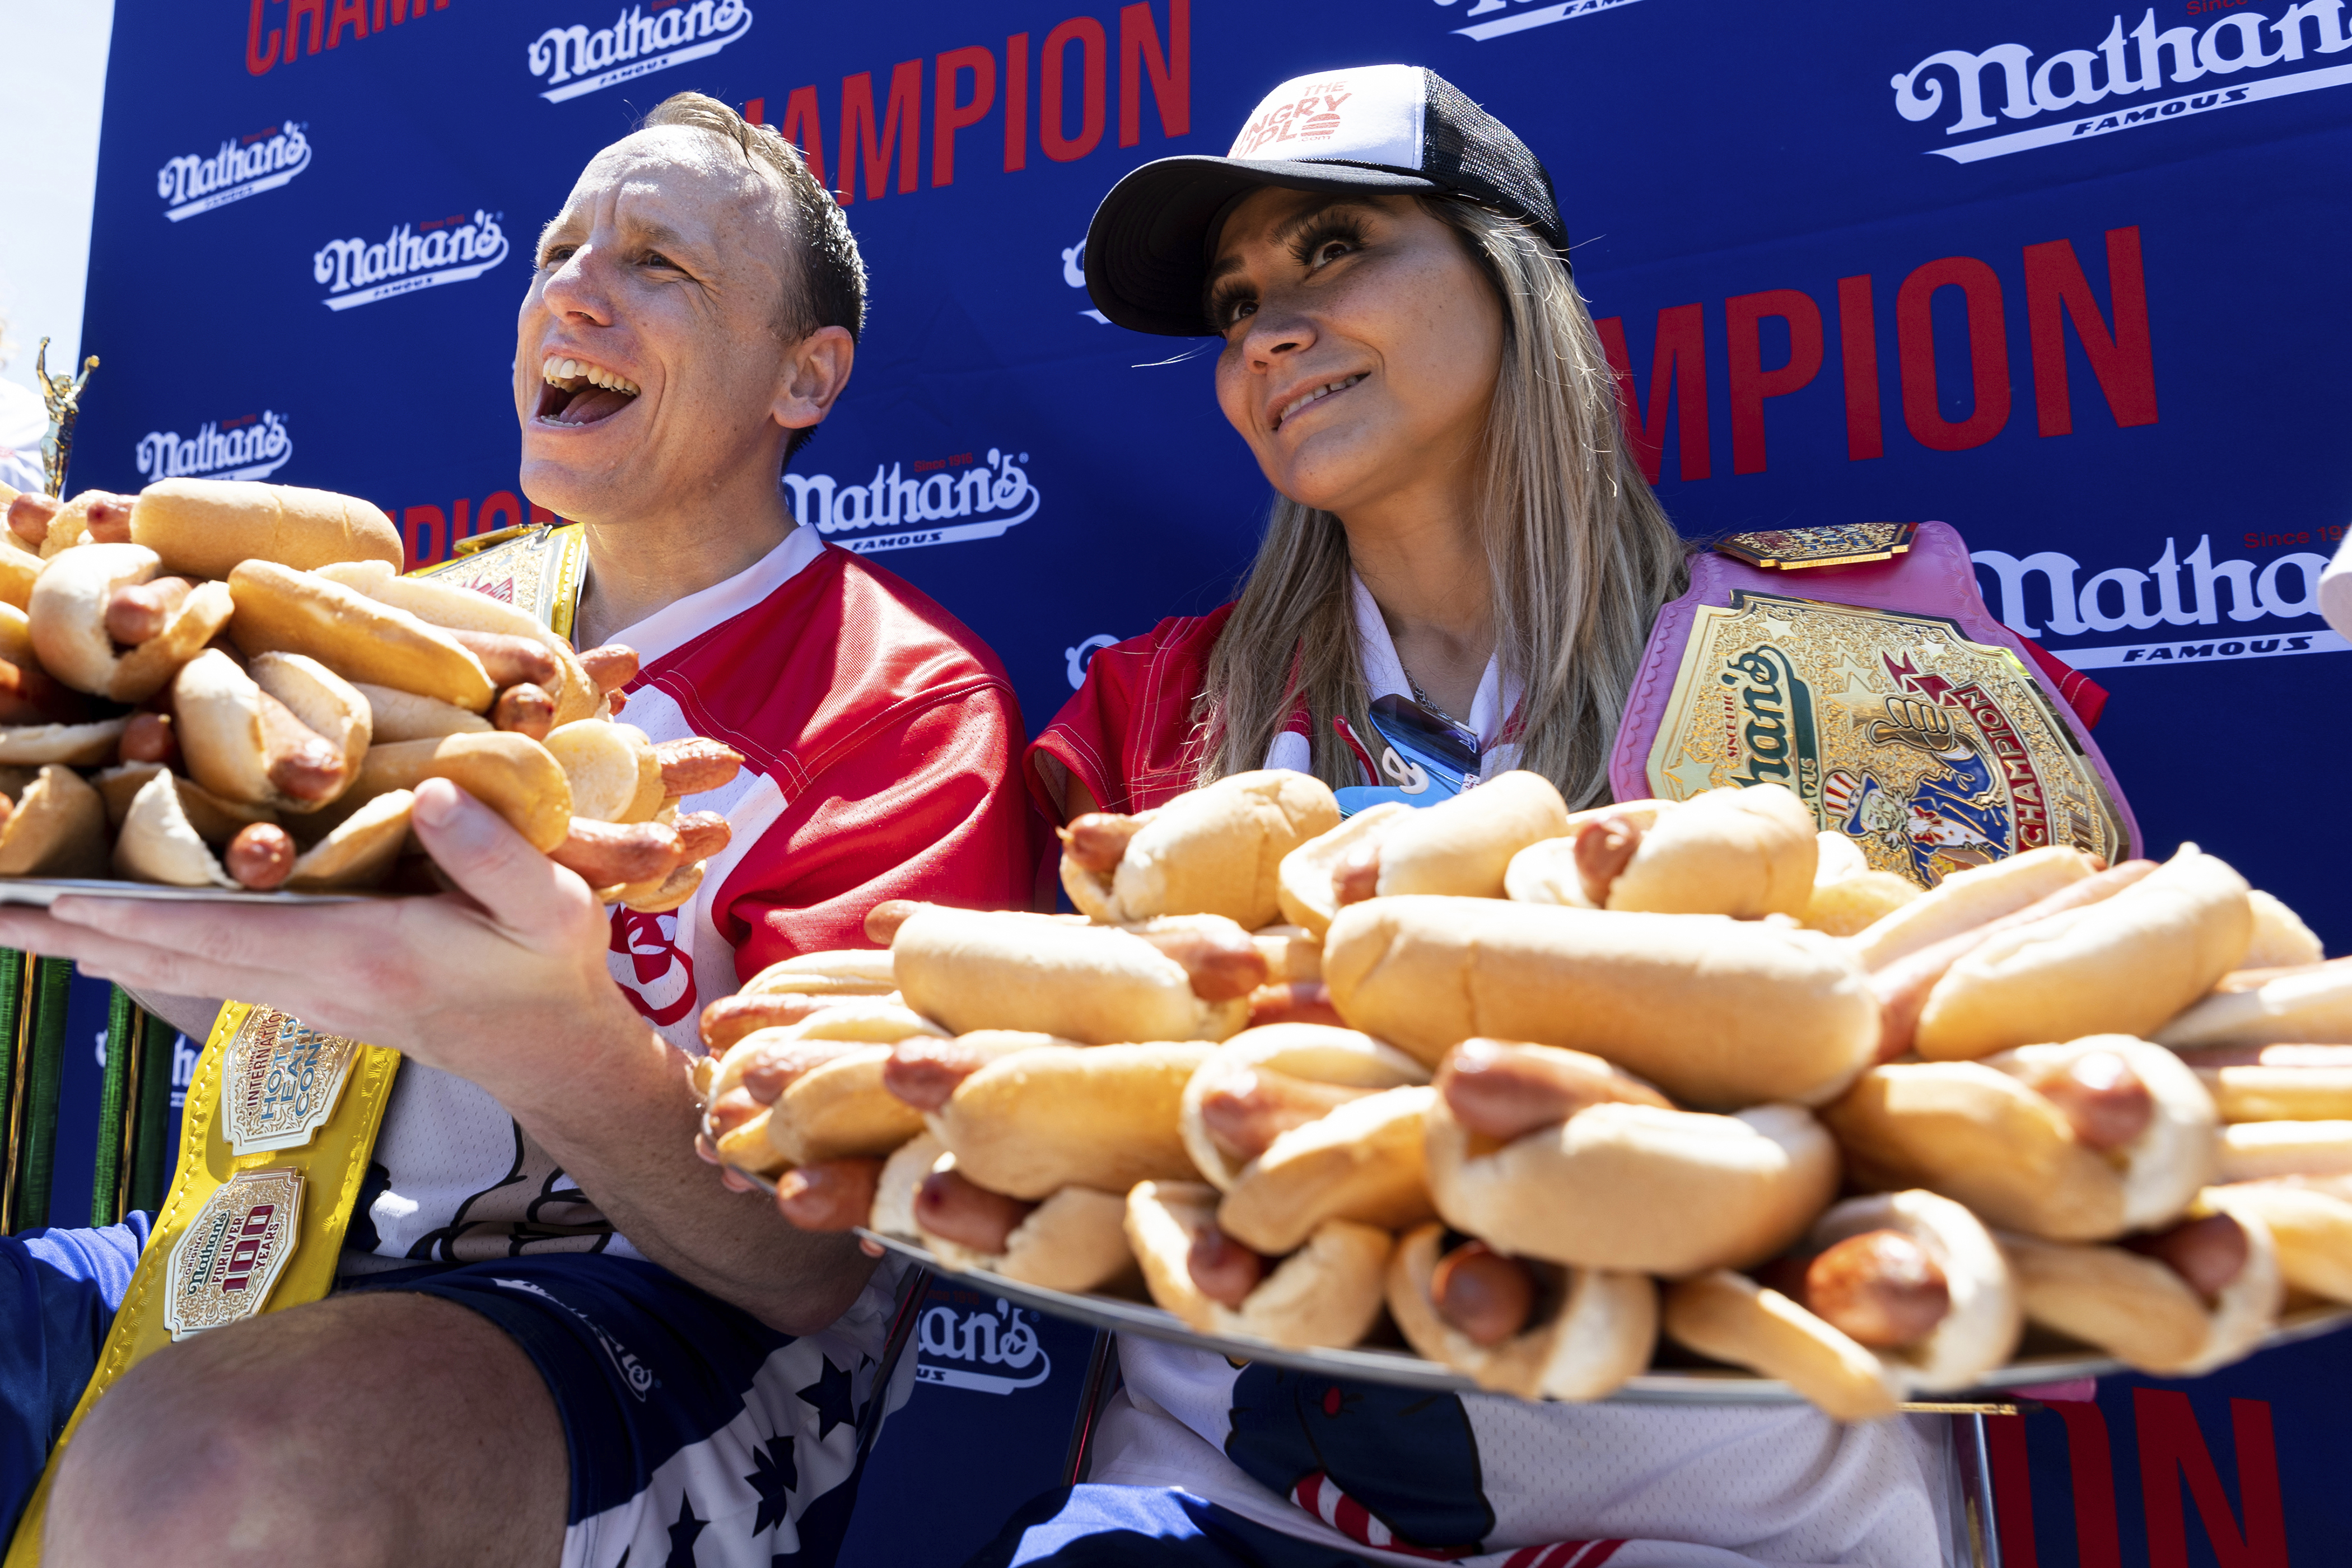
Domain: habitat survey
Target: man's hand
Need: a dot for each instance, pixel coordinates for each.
(497, 984)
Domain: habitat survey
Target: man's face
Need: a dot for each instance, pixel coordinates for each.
(648, 366)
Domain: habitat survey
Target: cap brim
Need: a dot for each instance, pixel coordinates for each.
(1147, 248)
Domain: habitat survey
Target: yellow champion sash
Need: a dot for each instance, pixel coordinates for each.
(281, 1120)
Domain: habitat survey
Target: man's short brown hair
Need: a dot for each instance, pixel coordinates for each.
(825, 284)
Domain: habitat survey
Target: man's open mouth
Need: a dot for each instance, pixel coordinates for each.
(578, 393)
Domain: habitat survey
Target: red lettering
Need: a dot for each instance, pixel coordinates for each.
(755, 111)
(1915, 336)
(416, 525)
(2012, 1490)
(1752, 384)
(500, 503)
(2092, 1468)
(948, 116)
(903, 112)
(256, 60)
(2172, 1448)
(1051, 115)
(1016, 103)
(804, 130)
(1858, 349)
(1172, 74)
(351, 13)
(1677, 358)
(294, 13)
(2122, 359)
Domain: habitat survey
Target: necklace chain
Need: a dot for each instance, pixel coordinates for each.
(1425, 699)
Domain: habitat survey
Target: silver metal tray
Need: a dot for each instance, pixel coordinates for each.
(46, 890)
(1406, 1369)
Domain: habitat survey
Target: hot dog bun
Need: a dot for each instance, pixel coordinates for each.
(1464, 846)
(1965, 900)
(406, 716)
(1315, 1052)
(1733, 1319)
(57, 828)
(1074, 1240)
(2281, 938)
(1214, 850)
(75, 745)
(1745, 853)
(18, 565)
(357, 852)
(1980, 1329)
(849, 971)
(221, 723)
(2256, 1150)
(67, 623)
(1848, 898)
(1634, 1187)
(614, 775)
(1583, 1345)
(281, 610)
(157, 843)
(1303, 883)
(2309, 1004)
(2139, 1311)
(2263, 1092)
(1545, 871)
(2124, 965)
(2310, 1225)
(206, 527)
(512, 774)
(1329, 1292)
(1094, 983)
(1033, 1123)
(1716, 1013)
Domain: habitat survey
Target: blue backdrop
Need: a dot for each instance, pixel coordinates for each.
(2062, 275)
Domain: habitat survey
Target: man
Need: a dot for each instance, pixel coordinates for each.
(693, 318)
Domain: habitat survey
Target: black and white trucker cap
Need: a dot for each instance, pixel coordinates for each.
(1369, 128)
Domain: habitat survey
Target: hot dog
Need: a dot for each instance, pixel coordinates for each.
(2281, 938)
(731, 1018)
(28, 697)
(2141, 1305)
(1967, 899)
(2122, 965)
(836, 1194)
(513, 646)
(1073, 1239)
(1033, 1121)
(2313, 1003)
(610, 666)
(1745, 853)
(510, 660)
(206, 527)
(98, 517)
(86, 605)
(1849, 895)
(696, 764)
(1222, 962)
(2310, 1225)
(1327, 1292)
(55, 826)
(1533, 1330)
(358, 638)
(1299, 1123)
(1298, 1001)
(846, 972)
(1214, 851)
(1716, 1013)
(1504, 1091)
(1625, 1184)
(285, 732)
(1096, 984)
(526, 710)
(2254, 1150)
(1308, 882)
(926, 1073)
(2278, 1083)
(827, 1104)
(514, 775)
(176, 832)
(2075, 1143)
(606, 854)
(615, 770)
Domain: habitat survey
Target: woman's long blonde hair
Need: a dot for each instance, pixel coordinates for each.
(1579, 555)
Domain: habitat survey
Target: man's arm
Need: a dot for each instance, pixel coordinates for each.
(504, 985)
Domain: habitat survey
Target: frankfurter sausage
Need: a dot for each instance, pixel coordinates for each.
(832, 1194)
(148, 738)
(1505, 1092)
(962, 1211)
(694, 764)
(509, 660)
(1604, 849)
(108, 518)
(1247, 1112)
(137, 612)
(925, 1072)
(29, 697)
(2207, 1253)
(606, 854)
(1223, 1269)
(525, 709)
(1297, 1002)
(1880, 1288)
(1097, 840)
(2101, 1098)
(1487, 1296)
(883, 920)
(262, 856)
(30, 514)
(704, 833)
(1220, 960)
(1358, 875)
(611, 667)
(299, 762)
(731, 1018)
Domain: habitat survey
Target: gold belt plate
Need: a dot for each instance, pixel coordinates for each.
(226, 1263)
(1932, 753)
(281, 1081)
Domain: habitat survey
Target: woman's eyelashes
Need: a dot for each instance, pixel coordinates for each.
(1316, 247)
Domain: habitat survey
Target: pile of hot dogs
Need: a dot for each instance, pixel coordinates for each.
(1551, 1094)
(229, 685)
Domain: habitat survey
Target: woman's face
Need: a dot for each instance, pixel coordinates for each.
(1361, 344)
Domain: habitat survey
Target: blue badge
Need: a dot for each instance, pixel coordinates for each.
(1425, 756)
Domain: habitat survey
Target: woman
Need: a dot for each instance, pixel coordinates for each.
(1457, 527)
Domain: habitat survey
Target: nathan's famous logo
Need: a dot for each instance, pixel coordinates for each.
(1774, 721)
(641, 40)
(2227, 58)
(1507, 16)
(2041, 592)
(245, 167)
(444, 250)
(955, 1351)
(251, 448)
(899, 509)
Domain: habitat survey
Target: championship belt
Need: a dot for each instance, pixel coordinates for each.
(1859, 666)
(281, 1120)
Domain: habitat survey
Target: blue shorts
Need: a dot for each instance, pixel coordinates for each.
(1145, 1526)
(689, 1423)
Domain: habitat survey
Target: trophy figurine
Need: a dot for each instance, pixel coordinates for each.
(63, 397)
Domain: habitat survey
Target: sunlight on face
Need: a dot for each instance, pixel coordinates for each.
(1361, 343)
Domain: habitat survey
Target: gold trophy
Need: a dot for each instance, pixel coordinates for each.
(63, 397)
